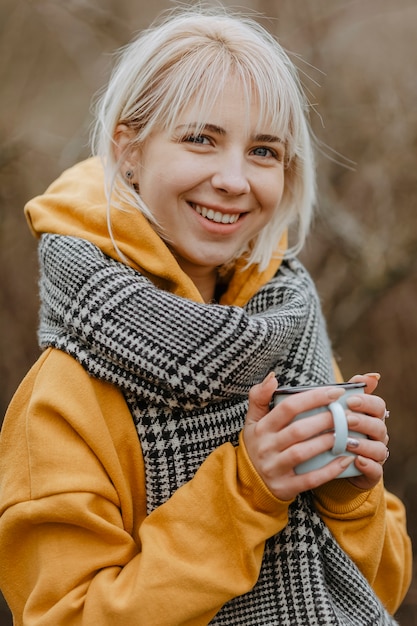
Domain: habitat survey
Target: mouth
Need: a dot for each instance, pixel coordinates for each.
(215, 216)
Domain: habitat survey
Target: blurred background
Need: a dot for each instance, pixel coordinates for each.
(358, 63)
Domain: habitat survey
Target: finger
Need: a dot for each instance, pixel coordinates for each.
(307, 429)
(373, 450)
(260, 397)
(386, 415)
(284, 412)
(367, 404)
(298, 483)
(374, 429)
(372, 473)
(289, 457)
(386, 456)
(371, 380)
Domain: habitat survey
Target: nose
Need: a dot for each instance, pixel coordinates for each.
(231, 176)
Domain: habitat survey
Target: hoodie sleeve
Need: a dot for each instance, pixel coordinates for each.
(371, 527)
(77, 547)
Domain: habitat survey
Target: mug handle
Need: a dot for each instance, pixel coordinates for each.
(340, 428)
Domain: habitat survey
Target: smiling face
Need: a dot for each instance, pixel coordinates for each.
(213, 186)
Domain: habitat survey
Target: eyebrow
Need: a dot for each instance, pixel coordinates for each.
(262, 138)
(268, 139)
(211, 127)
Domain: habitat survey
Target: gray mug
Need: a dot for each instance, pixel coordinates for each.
(341, 431)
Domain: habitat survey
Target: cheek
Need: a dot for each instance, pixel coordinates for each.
(155, 183)
(272, 190)
(171, 178)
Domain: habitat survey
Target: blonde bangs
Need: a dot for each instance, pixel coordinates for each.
(196, 80)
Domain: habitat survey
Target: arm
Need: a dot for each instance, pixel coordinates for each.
(76, 546)
(368, 521)
(371, 527)
(369, 524)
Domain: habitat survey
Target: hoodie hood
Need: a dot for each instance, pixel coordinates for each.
(76, 205)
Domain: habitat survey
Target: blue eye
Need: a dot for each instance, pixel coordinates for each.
(200, 139)
(264, 152)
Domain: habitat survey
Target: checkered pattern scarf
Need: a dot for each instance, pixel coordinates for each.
(185, 370)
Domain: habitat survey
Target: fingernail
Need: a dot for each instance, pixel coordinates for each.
(374, 375)
(345, 461)
(362, 461)
(352, 443)
(353, 420)
(334, 393)
(268, 378)
(354, 401)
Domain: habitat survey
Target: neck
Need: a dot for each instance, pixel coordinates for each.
(205, 279)
(206, 285)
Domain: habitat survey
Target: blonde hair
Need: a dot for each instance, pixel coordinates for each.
(185, 59)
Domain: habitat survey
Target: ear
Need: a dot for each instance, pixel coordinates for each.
(123, 150)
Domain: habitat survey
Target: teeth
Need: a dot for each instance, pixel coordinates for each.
(216, 216)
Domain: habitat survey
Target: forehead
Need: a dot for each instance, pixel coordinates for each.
(232, 103)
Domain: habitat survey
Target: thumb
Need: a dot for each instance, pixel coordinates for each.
(260, 397)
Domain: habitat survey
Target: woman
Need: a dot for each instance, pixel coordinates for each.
(145, 479)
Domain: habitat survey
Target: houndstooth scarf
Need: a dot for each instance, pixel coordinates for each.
(185, 370)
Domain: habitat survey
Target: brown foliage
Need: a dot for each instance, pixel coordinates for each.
(358, 65)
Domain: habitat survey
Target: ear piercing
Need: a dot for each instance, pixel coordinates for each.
(129, 177)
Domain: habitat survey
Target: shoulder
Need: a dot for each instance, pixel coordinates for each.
(67, 439)
(61, 378)
(60, 383)
(61, 418)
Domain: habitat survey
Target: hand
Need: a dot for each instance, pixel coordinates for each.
(367, 416)
(276, 446)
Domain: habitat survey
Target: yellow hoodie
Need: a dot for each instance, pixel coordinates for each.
(77, 547)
